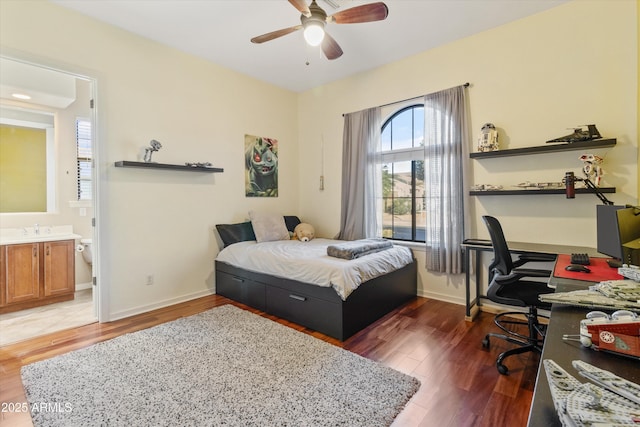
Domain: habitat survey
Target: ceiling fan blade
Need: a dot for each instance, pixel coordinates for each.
(365, 13)
(302, 7)
(275, 34)
(330, 47)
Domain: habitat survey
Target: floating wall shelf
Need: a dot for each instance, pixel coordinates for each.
(144, 165)
(536, 192)
(549, 148)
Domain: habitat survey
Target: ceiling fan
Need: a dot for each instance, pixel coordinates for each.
(314, 18)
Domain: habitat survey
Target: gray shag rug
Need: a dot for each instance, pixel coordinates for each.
(222, 367)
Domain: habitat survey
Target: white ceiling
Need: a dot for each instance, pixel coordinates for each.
(43, 86)
(220, 30)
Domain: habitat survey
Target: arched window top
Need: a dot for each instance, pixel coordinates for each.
(404, 129)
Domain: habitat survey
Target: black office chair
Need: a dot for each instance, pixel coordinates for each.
(508, 286)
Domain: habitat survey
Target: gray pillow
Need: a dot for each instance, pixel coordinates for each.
(268, 227)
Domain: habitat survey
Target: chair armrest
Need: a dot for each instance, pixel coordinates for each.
(519, 273)
(535, 256)
(532, 272)
(507, 279)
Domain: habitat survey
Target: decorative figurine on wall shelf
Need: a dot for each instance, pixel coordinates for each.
(199, 164)
(148, 152)
(486, 187)
(488, 140)
(580, 134)
(540, 185)
(591, 168)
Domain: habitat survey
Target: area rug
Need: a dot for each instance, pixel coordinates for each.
(222, 367)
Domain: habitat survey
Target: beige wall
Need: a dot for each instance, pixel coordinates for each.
(153, 222)
(533, 78)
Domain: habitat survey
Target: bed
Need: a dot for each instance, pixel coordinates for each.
(312, 300)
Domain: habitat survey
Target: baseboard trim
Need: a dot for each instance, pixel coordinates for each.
(442, 297)
(83, 286)
(160, 304)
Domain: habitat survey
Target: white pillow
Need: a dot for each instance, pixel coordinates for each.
(268, 227)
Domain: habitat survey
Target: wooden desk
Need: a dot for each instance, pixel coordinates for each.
(514, 247)
(566, 320)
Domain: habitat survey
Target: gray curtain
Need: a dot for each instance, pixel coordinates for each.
(446, 146)
(360, 216)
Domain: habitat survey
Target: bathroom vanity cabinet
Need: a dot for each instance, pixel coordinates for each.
(36, 273)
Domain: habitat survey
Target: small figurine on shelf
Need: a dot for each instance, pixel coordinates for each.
(591, 168)
(199, 164)
(488, 140)
(486, 187)
(155, 146)
(580, 134)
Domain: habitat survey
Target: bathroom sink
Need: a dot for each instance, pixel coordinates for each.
(42, 233)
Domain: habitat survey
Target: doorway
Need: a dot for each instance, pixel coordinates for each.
(70, 97)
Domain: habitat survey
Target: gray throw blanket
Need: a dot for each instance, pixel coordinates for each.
(358, 248)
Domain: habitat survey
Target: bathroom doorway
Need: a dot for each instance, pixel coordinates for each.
(69, 97)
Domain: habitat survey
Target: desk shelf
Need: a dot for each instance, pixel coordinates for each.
(549, 148)
(144, 165)
(536, 192)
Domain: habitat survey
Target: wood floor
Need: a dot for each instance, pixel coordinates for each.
(425, 338)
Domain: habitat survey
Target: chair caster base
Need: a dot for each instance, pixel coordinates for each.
(502, 369)
(485, 343)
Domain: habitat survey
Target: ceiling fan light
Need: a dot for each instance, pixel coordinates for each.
(314, 33)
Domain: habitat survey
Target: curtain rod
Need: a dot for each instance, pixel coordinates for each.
(467, 84)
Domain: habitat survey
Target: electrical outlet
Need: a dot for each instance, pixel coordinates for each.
(149, 280)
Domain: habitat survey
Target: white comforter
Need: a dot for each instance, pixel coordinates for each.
(308, 262)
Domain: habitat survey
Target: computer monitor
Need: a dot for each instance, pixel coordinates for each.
(618, 232)
(608, 232)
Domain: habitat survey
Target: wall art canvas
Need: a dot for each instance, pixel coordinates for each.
(261, 166)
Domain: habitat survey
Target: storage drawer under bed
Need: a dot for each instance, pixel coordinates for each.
(241, 289)
(314, 313)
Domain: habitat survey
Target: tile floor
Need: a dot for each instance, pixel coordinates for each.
(33, 322)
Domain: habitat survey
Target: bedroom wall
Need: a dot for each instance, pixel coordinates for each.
(160, 222)
(533, 78)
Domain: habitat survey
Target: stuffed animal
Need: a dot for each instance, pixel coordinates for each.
(304, 232)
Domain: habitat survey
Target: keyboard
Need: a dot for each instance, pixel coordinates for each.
(582, 259)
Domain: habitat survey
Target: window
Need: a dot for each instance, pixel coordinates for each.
(403, 208)
(84, 158)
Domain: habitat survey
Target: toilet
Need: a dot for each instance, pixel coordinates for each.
(86, 250)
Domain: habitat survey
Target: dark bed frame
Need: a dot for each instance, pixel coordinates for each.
(315, 307)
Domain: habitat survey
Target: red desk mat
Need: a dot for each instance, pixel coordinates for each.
(600, 270)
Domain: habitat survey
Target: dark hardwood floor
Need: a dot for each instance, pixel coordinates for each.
(426, 338)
